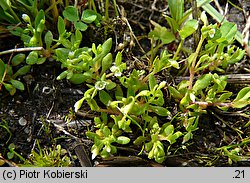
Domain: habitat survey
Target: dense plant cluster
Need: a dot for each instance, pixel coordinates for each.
(131, 101)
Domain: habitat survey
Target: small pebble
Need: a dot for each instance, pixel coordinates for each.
(22, 121)
(27, 130)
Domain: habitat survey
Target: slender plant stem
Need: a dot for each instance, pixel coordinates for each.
(6, 70)
(115, 7)
(54, 9)
(153, 52)
(106, 9)
(21, 50)
(195, 13)
(66, 3)
(18, 155)
(221, 104)
(136, 123)
(244, 142)
(14, 14)
(93, 5)
(193, 61)
(178, 50)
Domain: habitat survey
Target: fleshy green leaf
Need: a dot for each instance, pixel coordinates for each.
(148, 146)
(172, 138)
(186, 99)
(106, 131)
(106, 46)
(118, 59)
(2, 68)
(106, 62)
(187, 137)
(62, 54)
(188, 29)
(32, 58)
(174, 93)
(48, 38)
(152, 82)
(240, 103)
(10, 155)
(203, 18)
(242, 99)
(5, 5)
(189, 123)
(118, 93)
(172, 23)
(95, 151)
(243, 94)
(104, 97)
(126, 109)
(71, 13)
(104, 153)
(182, 86)
(174, 63)
(88, 16)
(70, 74)
(62, 75)
(10, 88)
(61, 26)
(143, 93)
(81, 26)
(161, 111)
(123, 140)
(22, 71)
(39, 21)
(224, 96)
(77, 78)
(176, 9)
(228, 30)
(78, 37)
(110, 85)
(139, 140)
(161, 33)
(78, 104)
(92, 104)
(17, 59)
(17, 84)
(169, 130)
(91, 135)
(41, 60)
(202, 82)
(66, 43)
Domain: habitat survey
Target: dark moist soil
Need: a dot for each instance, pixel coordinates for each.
(46, 103)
